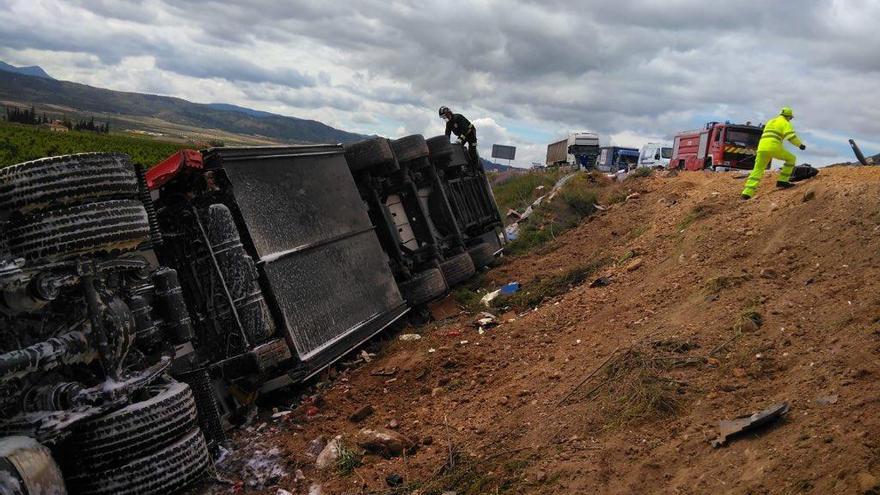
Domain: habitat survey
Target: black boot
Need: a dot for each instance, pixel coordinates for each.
(745, 196)
(784, 185)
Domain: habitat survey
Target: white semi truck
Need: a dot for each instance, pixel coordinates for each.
(578, 149)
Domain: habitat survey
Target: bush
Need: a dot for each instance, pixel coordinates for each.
(550, 287)
(641, 172)
(581, 201)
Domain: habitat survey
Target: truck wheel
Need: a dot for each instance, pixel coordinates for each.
(439, 146)
(27, 468)
(164, 471)
(368, 154)
(66, 180)
(457, 269)
(482, 254)
(90, 228)
(410, 148)
(164, 414)
(423, 287)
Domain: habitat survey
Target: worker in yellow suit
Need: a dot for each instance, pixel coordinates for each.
(777, 130)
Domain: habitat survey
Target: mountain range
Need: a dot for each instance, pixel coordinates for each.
(33, 70)
(161, 115)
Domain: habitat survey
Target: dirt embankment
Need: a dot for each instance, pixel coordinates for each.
(713, 308)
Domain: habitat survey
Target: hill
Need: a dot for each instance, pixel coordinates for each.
(33, 70)
(165, 115)
(633, 334)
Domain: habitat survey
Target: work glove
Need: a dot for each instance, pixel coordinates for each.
(802, 147)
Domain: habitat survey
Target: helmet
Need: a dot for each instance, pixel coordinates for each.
(786, 112)
(444, 111)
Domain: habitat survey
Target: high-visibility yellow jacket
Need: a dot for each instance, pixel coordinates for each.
(777, 130)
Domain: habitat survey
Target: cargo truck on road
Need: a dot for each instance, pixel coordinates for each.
(578, 149)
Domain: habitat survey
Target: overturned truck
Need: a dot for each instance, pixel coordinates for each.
(90, 323)
(142, 311)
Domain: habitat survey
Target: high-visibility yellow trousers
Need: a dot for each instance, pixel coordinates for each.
(762, 160)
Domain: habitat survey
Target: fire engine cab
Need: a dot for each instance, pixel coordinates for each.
(716, 145)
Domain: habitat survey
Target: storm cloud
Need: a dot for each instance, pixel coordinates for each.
(526, 71)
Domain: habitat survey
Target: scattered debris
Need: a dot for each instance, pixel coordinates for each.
(827, 400)
(330, 455)
(510, 288)
(634, 265)
(315, 446)
(394, 480)
(730, 428)
(385, 372)
(366, 356)
(634, 195)
(361, 414)
(409, 337)
(264, 469)
(600, 282)
(485, 320)
(488, 298)
(384, 442)
(444, 308)
(315, 489)
(281, 414)
(282, 491)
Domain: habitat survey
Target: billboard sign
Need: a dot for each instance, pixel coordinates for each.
(503, 152)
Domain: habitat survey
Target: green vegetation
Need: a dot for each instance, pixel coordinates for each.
(20, 143)
(550, 287)
(519, 191)
(575, 201)
(640, 172)
(349, 459)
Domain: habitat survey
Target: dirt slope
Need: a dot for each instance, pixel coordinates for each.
(715, 307)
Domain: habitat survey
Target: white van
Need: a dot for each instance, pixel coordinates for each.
(655, 155)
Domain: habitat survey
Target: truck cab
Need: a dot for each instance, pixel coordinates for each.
(655, 155)
(614, 159)
(716, 145)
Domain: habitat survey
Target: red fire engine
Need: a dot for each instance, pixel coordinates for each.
(716, 145)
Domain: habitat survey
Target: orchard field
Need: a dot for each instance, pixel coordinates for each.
(20, 143)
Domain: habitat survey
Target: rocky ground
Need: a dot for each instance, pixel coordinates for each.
(661, 315)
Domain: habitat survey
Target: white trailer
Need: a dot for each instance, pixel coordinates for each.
(567, 150)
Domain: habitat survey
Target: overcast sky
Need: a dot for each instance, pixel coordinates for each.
(526, 72)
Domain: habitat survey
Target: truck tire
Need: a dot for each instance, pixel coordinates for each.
(482, 254)
(409, 148)
(166, 413)
(457, 269)
(439, 146)
(90, 228)
(66, 180)
(423, 287)
(165, 471)
(370, 153)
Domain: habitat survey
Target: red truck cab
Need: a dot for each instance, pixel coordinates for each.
(716, 145)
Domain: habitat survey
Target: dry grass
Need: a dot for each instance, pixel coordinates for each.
(634, 386)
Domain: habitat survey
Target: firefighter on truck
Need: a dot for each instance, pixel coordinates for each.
(776, 131)
(463, 129)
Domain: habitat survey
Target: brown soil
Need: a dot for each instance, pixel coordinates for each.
(789, 285)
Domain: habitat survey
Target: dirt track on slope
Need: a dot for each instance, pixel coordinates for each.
(742, 304)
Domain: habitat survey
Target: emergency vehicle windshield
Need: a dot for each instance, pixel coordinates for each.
(743, 137)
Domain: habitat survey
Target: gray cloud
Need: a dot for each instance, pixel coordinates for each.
(634, 67)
